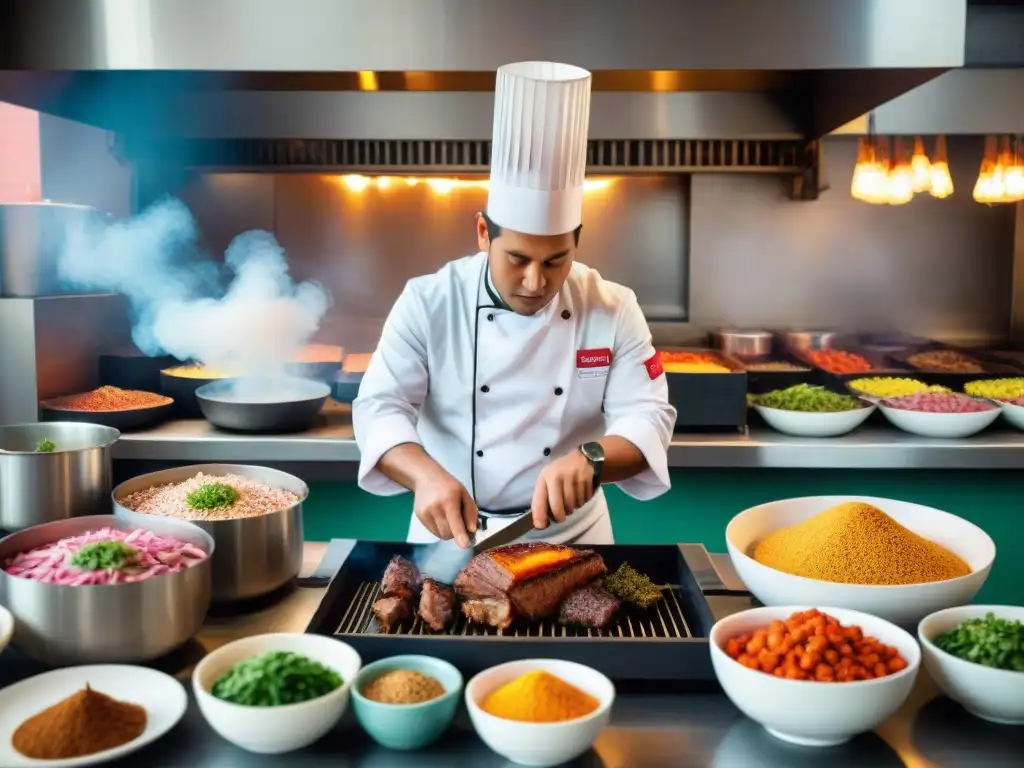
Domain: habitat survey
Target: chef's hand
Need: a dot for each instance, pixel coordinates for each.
(445, 507)
(564, 485)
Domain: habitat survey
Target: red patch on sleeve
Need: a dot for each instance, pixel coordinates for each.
(653, 365)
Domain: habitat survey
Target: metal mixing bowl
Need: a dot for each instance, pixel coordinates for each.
(75, 479)
(255, 555)
(122, 623)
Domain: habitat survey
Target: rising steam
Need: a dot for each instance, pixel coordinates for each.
(247, 316)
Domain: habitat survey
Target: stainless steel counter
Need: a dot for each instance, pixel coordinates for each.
(653, 730)
(196, 441)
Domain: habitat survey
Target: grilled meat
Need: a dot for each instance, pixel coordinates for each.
(492, 611)
(590, 606)
(391, 611)
(437, 604)
(401, 579)
(528, 580)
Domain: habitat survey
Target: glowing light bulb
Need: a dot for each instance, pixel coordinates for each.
(900, 184)
(940, 181)
(441, 186)
(921, 167)
(383, 182)
(355, 182)
(1013, 180)
(412, 181)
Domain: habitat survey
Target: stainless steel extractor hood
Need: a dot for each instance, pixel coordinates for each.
(399, 69)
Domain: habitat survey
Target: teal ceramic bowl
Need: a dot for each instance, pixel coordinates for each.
(407, 726)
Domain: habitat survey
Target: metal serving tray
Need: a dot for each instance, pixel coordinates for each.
(666, 642)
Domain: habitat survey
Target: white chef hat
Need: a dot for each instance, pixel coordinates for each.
(539, 147)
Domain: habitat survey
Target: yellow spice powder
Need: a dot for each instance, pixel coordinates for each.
(856, 543)
(539, 697)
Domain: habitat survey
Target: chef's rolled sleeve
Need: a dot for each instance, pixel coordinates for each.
(385, 412)
(636, 406)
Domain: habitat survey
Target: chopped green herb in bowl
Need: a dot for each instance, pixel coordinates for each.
(212, 496)
(275, 679)
(991, 642)
(45, 446)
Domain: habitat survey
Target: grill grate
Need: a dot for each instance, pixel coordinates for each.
(665, 620)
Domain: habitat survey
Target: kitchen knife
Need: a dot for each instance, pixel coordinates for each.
(514, 530)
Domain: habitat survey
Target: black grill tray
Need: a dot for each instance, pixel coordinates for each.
(668, 642)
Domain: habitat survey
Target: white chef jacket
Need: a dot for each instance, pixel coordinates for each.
(494, 396)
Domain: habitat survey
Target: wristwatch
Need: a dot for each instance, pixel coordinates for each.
(594, 453)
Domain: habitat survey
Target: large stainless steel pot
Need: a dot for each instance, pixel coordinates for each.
(42, 487)
(32, 238)
(742, 343)
(123, 623)
(805, 340)
(255, 555)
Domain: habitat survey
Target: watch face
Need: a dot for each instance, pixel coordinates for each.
(593, 451)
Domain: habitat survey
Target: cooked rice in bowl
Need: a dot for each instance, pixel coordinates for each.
(171, 500)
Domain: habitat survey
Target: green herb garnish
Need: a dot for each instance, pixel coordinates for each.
(212, 496)
(631, 586)
(991, 642)
(105, 556)
(45, 446)
(274, 679)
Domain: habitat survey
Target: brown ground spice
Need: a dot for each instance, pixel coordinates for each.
(857, 543)
(403, 686)
(82, 724)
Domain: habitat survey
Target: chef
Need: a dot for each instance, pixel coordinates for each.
(518, 381)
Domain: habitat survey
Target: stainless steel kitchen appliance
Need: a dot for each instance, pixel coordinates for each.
(255, 555)
(116, 623)
(73, 480)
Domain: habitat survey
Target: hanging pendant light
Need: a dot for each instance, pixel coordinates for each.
(900, 184)
(941, 182)
(989, 187)
(921, 167)
(870, 174)
(1013, 177)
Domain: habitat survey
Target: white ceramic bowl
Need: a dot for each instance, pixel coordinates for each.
(1013, 414)
(905, 605)
(275, 730)
(991, 694)
(944, 425)
(805, 712)
(540, 744)
(814, 424)
(6, 627)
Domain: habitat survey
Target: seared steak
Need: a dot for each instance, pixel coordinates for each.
(437, 604)
(528, 580)
(401, 579)
(392, 610)
(590, 606)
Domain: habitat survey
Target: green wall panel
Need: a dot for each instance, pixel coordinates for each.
(702, 502)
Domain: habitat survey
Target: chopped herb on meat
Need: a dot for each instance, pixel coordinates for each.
(631, 586)
(105, 556)
(212, 496)
(45, 446)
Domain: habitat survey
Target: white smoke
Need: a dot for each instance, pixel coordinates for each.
(248, 316)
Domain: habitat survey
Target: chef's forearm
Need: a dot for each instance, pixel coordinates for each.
(622, 459)
(408, 464)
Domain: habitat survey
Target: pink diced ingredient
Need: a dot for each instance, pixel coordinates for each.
(157, 555)
(1016, 401)
(939, 402)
